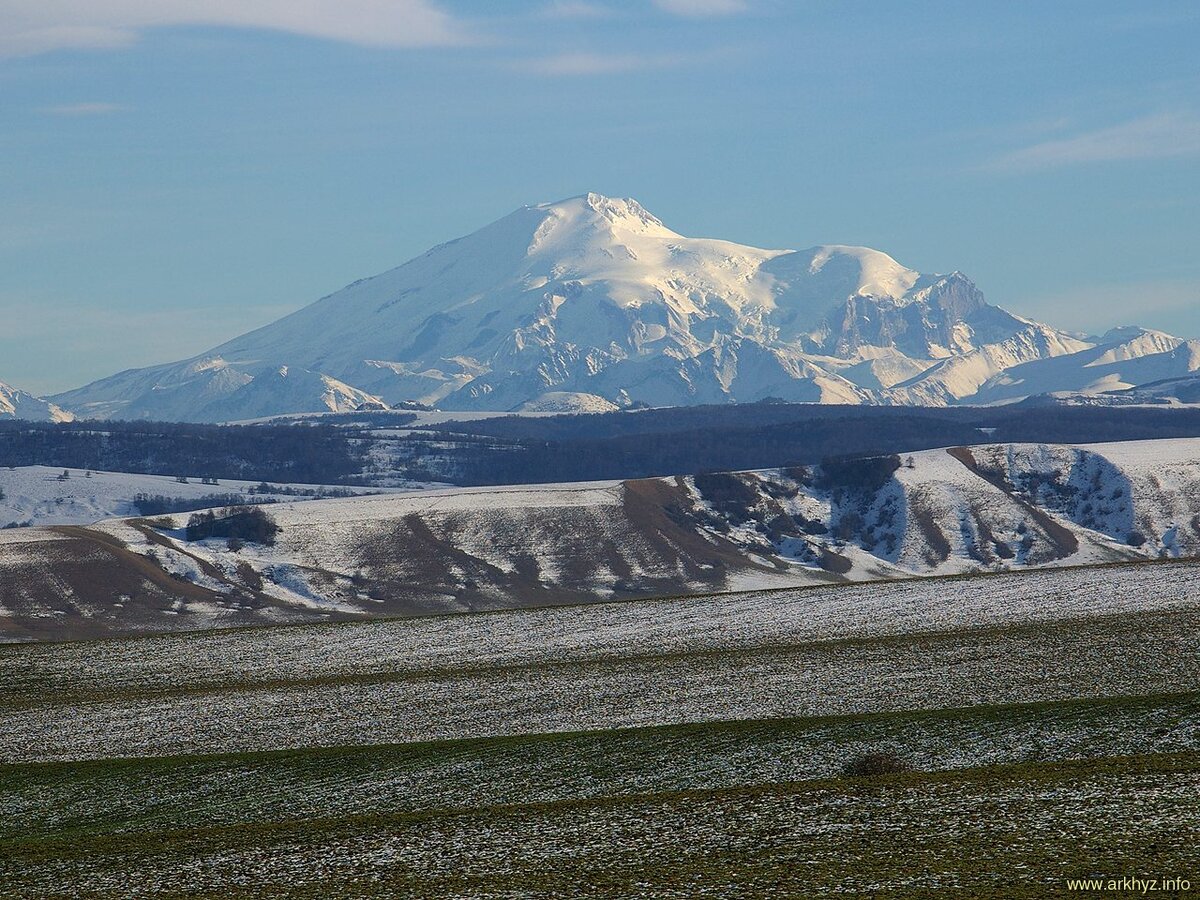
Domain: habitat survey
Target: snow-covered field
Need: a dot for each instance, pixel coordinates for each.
(553, 768)
(40, 495)
(825, 651)
(611, 631)
(659, 748)
(1028, 828)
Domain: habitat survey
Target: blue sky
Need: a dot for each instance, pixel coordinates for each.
(175, 172)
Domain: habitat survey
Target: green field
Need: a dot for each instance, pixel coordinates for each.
(565, 753)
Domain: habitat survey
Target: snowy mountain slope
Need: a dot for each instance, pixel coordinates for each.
(1184, 390)
(18, 404)
(937, 512)
(1123, 358)
(592, 301)
(961, 377)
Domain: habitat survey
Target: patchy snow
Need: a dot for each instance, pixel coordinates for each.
(984, 508)
(1145, 494)
(1014, 506)
(988, 508)
(935, 515)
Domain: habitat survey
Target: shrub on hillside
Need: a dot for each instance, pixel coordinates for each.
(835, 562)
(874, 764)
(867, 473)
(724, 487)
(247, 524)
(729, 495)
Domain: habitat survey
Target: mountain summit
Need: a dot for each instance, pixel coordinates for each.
(593, 303)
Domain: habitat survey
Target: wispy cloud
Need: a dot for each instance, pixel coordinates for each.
(699, 8)
(1160, 136)
(83, 109)
(567, 64)
(575, 9)
(30, 27)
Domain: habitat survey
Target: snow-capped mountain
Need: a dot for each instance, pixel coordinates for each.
(593, 303)
(18, 404)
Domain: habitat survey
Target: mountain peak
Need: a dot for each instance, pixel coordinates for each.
(878, 274)
(582, 231)
(621, 208)
(1121, 333)
(592, 301)
(615, 210)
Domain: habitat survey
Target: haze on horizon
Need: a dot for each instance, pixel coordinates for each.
(178, 172)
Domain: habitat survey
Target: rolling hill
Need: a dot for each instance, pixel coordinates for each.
(988, 508)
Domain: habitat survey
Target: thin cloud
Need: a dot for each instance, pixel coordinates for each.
(1153, 137)
(84, 336)
(701, 8)
(575, 9)
(30, 27)
(83, 109)
(1168, 303)
(566, 64)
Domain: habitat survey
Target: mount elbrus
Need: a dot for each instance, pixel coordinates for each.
(592, 303)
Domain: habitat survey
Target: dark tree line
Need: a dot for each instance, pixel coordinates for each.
(704, 450)
(725, 438)
(158, 504)
(573, 448)
(857, 473)
(1015, 422)
(310, 453)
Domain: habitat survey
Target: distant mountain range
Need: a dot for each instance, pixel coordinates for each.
(592, 303)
